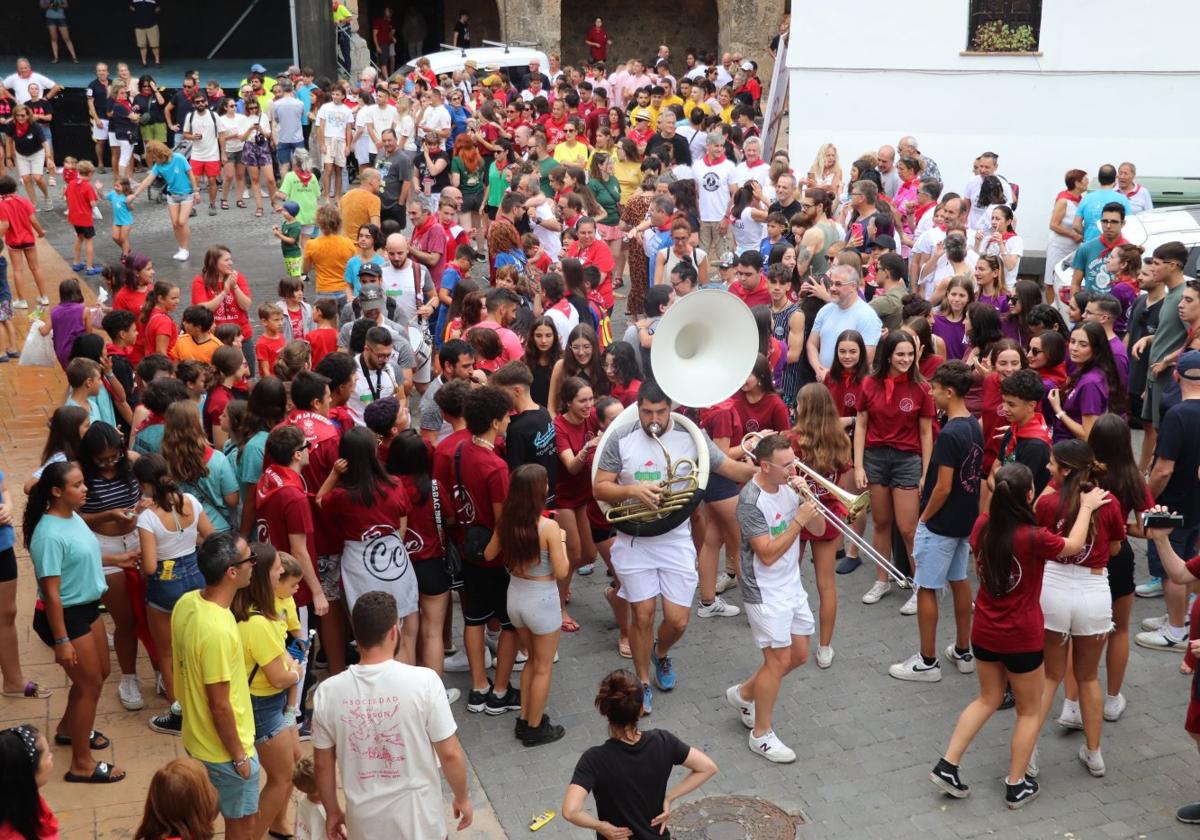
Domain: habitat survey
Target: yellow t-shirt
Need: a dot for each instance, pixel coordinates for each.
(262, 643)
(692, 105)
(577, 156)
(629, 175)
(358, 206)
(672, 100)
(727, 114)
(329, 255)
(207, 649)
(187, 348)
(286, 608)
(654, 112)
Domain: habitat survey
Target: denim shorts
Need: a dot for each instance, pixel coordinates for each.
(890, 467)
(171, 581)
(939, 559)
(283, 152)
(174, 199)
(268, 715)
(236, 797)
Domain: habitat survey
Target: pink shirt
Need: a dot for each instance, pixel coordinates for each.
(512, 350)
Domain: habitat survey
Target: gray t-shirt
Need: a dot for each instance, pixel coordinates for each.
(395, 171)
(610, 456)
(287, 112)
(431, 416)
(402, 353)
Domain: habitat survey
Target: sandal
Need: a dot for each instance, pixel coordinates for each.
(224, 204)
(258, 212)
(97, 740)
(241, 202)
(624, 649)
(104, 774)
(570, 625)
(32, 690)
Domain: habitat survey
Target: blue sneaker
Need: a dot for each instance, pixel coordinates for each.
(78, 266)
(647, 697)
(1153, 588)
(664, 674)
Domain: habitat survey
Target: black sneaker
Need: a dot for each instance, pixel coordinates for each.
(168, 723)
(510, 701)
(1022, 793)
(945, 776)
(1189, 814)
(304, 729)
(521, 727)
(477, 701)
(544, 733)
(1007, 701)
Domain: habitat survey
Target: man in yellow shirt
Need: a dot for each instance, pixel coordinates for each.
(211, 681)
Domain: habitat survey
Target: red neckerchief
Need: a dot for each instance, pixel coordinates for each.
(890, 382)
(664, 228)
(1034, 428)
(1126, 280)
(341, 417)
(1009, 235)
(152, 419)
(275, 478)
(911, 183)
(21, 132)
(118, 350)
(1068, 195)
(1131, 193)
(1108, 246)
(563, 306)
(422, 229)
(1056, 374)
(923, 209)
(717, 161)
(759, 162)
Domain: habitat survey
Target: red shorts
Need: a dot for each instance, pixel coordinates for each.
(211, 168)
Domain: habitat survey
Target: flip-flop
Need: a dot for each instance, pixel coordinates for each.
(104, 774)
(570, 625)
(224, 204)
(241, 202)
(32, 691)
(97, 740)
(624, 649)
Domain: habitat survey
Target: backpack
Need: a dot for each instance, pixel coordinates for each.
(184, 146)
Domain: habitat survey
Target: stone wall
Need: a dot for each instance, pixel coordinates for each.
(637, 27)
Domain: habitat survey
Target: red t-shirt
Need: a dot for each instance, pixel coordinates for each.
(214, 406)
(768, 413)
(228, 312)
(80, 197)
(421, 540)
(929, 364)
(895, 422)
(627, 394)
(573, 491)
(846, 393)
(1013, 622)
(599, 255)
(352, 520)
(722, 421)
(992, 417)
(267, 350)
(324, 437)
(323, 342)
(47, 828)
(159, 323)
(283, 508)
(484, 484)
(1107, 526)
(129, 300)
(18, 212)
(752, 298)
(443, 454)
(297, 319)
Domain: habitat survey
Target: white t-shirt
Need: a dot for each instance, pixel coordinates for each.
(207, 148)
(760, 172)
(310, 820)
(378, 117)
(333, 120)
(565, 319)
(550, 240)
(435, 119)
(971, 191)
(237, 124)
(401, 284)
(406, 132)
(370, 386)
(712, 184)
(383, 721)
(1014, 245)
(943, 270)
(697, 140)
(747, 233)
(20, 87)
(169, 543)
(761, 513)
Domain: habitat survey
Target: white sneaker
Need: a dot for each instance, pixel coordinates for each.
(452, 695)
(1114, 706)
(112, 645)
(53, 181)
(914, 669)
(878, 589)
(245, 193)
(20, 304)
(181, 255)
(771, 748)
(519, 662)
(160, 687)
(1070, 717)
(718, 608)
(492, 640)
(725, 582)
(744, 708)
(965, 663)
(824, 656)
(1161, 640)
(1032, 769)
(1093, 761)
(456, 663)
(130, 694)
(586, 569)
(43, 300)
(1156, 622)
(910, 606)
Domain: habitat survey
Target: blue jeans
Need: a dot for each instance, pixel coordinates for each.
(1183, 540)
(171, 580)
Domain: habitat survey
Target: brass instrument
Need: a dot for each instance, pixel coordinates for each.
(671, 500)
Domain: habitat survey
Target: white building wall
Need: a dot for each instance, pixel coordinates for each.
(1113, 82)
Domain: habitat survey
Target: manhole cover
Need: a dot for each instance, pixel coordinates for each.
(733, 818)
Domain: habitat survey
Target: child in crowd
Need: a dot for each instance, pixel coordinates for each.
(81, 198)
(776, 225)
(118, 198)
(196, 377)
(536, 258)
(229, 334)
(288, 235)
(310, 812)
(229, 384)
(197, 342)
(299, 320)
(456, 270)
(266, 350)
(83, 378)
(285, 608)
(324, 336)
(123, 347)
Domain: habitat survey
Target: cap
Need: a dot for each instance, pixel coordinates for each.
(728, 259)
(293, 70)
(370, 268)
(492, 68)
(490, 80)
(1188, 366)
(890, 311)
(370, 296)
(641, 114)
(885, 242)
(291, 208)
(472, 63)
(257, 68)
(747, 65)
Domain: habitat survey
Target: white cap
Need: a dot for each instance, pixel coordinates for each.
(747, 65)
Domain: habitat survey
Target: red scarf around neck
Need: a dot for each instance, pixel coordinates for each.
(717, 161)
(1108, 246)
(890, 383)
(1068, 195)
(1056, 374)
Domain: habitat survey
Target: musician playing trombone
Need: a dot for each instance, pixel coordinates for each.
(632, 467)
(772, 517)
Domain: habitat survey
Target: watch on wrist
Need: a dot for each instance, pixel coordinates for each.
(63, 641)
(238, 762)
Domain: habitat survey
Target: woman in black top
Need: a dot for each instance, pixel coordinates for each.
(628, 773)
(149, 103)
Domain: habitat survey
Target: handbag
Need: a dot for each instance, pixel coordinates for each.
(453, 560)
(475, 537)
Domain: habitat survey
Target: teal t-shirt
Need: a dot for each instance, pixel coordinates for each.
(100, 408)
(212, 488)
(149, 440)
(250, 462)
(68, 550)
(497, 185)
(469, 183)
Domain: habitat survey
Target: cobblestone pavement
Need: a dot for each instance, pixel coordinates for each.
(865, 741)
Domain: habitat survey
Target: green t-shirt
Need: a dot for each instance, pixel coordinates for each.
(497, 185)
(68, 550)
(292, 231)
(544, 168)
(470, 183)
(608, 194)
(305, 195)
(1171, 332)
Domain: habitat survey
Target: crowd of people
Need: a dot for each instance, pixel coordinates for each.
(416, 420)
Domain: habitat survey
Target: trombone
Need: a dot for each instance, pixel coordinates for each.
(855, 507)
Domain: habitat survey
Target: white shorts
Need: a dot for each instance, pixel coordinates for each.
(33, 164)
(125, 147)
(774, 625)
(333, 151)
(118, 545)
(100, 130)
(675, 585)
(1075, 601)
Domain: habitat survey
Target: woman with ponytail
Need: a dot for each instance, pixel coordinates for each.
(1076, 603)
(156, 327)
(1011, 554)
(130, 281)
(200, 469)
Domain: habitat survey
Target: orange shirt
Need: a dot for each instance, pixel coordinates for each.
(358, 206)
(187, 348)
(329, 255)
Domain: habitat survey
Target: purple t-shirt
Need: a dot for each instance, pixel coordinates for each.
(954, 333)
(1121, 357)
(1127, 295)
(66, 320)
(1089, 396)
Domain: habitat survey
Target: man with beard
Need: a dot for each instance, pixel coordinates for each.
(396, 169)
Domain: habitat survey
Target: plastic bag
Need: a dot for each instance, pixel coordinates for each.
(39, 349)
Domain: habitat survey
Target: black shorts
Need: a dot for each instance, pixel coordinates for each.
(88, 232)
(471, 202)
(1120, 572)
(432, 577)
(78, 619)
(484, 595)
(8, 565)
(491, 211)
(600, 535)
(1014, 663)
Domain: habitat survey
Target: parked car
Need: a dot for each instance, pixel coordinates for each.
(513, 61)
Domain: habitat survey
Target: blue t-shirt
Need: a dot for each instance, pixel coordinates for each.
(661, 239)
(1090, 258)
(211, 489)
(7, 535)
(352, 267)
(450, 279)
(100, 408)
(832, 321)
(1092, 205)
(304, 94)
(122, 215)
(68, 550)
(177, 172)
(149, 440)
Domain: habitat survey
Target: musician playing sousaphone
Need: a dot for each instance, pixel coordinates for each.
(632, 466)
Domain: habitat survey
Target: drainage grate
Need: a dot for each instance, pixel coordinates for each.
(733, 818)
